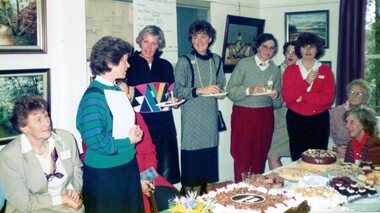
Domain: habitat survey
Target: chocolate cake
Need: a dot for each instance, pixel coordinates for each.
(319, 157)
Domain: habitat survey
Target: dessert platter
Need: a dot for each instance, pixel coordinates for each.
(294, 188)
(296, 173)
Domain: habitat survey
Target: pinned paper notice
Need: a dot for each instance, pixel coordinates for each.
(122, 113)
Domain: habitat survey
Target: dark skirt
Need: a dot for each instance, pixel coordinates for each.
(113, 190)
(164, 137)
(199, 166)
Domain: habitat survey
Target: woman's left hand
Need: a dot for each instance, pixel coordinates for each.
(273, 95)
(147, 187)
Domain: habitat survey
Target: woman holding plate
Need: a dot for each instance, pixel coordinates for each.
(151, 82)
(198, 74)
(252, 121)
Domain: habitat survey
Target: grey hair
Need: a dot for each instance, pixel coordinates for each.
(155, 31)
(361, 83)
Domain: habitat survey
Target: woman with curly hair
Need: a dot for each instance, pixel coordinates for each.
(362, 128)
(308, 90)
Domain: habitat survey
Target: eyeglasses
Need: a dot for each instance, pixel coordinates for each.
(266, 48)
(290, 53)
(310, 46)
(355, 94)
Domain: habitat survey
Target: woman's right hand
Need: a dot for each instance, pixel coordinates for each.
(135, 134)
(212, 89)
(311, 76)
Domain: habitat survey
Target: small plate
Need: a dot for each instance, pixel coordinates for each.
(215, 95)
(170, 103)
(263, 93)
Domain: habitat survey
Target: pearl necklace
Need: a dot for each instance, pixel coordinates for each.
(199, 73)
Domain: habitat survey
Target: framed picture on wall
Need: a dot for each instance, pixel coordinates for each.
(240, 34)
(328, 63)
(23, 26)
(13, 85)
(316, 22)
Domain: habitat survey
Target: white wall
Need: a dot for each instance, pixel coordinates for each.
(66, 55)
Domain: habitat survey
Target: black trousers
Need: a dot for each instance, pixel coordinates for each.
(307, 132)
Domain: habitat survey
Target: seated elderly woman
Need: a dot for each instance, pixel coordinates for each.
(40, 169)
(365, 144)
(358, 92)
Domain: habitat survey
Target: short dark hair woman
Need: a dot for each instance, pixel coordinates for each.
(197, 74)
(254, 87)
(111, 180)
(308, 90)
(40, 168)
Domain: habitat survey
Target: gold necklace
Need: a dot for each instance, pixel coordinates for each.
(199, 73)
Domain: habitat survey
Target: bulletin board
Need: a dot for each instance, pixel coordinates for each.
(108, 18)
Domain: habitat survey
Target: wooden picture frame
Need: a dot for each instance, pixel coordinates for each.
(328, 63)
(23, 27)
(13, 85)
(239, 36)
(308, 21)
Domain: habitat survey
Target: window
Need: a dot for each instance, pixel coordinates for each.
(185, 16)
(372, 58)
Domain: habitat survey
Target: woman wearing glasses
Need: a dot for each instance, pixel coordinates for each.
(308, 89)
(358, 92)
(252, 121)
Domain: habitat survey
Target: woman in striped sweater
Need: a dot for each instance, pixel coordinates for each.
(111, 181)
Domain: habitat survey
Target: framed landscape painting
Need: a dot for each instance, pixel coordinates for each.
(240, 34)
(22, 26)
(13, 85)
(316, 22)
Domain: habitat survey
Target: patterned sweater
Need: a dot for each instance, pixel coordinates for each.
(94, 122)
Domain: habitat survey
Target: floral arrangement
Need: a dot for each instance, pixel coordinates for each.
(190, 204)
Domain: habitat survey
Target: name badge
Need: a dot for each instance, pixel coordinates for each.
(321, 76)
(65, 155)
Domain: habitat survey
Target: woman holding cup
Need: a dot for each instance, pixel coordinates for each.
(308, 89)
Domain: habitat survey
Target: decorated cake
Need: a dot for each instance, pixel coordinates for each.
(245, 198)
(318, 159)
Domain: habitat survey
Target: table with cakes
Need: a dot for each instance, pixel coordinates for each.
(317, 182)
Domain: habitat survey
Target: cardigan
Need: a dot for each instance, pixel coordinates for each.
(319, 99)
(370, 151)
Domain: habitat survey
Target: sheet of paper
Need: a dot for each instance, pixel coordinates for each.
(122, 112)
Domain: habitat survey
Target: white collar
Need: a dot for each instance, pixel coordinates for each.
(304, 71)
(27, 147)
(104, 81)
(260, 64)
